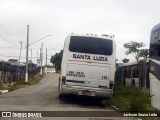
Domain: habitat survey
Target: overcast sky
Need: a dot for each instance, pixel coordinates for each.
(129, 20)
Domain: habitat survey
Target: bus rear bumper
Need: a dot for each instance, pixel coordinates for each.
(86, 91)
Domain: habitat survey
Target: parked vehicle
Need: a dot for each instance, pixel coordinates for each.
(88, 66)
(155, 65)
(49, 70)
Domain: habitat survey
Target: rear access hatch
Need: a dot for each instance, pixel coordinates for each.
(89, 75)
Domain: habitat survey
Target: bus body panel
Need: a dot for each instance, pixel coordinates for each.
(154, 55)
(87, 72)
(87, 75)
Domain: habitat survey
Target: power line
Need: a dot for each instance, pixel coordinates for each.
(7, 40)
(8, 48)
(15, 48)
(4, 31)
(39, 40)
(18, 56)
(12, 56)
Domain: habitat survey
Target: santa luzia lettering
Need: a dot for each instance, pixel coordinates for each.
(88, 57)
(85, 57)
(100, 58)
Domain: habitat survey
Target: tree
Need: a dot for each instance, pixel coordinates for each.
(133, 48)
(125, 60)
(144, 53)
(56, 60)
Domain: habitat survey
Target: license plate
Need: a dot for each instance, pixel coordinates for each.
(86, 93)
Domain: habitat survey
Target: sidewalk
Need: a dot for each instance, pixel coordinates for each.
(5, 85)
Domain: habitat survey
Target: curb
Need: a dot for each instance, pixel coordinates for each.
(3, 91)
(115, 107)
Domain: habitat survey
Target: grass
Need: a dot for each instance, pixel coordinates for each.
(1, 86)
(150, 118)
(131, 99)
(21, 84)
(35, 80)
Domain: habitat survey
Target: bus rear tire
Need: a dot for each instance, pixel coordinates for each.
(61, 96)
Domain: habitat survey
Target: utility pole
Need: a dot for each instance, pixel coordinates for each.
(19, 58)
(27, 47)
(46, 63)
(37, 57)
(46, 56)
(20, 50)
(41, 72)
(31, 60)
(31, 55)
(40, 57)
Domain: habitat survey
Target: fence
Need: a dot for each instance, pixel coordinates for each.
(133, 74)
(11, 72)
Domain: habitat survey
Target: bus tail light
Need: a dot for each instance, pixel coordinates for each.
(63, 80)
(110, 84)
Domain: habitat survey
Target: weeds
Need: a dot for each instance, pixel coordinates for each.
(1, 86)
(131, 99)
(35, 80)
(21, 84)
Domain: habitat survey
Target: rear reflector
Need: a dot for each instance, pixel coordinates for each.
(104, 87)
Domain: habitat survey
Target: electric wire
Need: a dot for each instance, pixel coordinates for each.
(7, 40)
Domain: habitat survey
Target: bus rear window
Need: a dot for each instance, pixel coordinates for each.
(154, 52)
(91, 45)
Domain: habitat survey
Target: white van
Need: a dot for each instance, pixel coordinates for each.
(88, 66)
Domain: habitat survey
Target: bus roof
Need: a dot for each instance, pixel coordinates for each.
(105, 36)
(156, 27)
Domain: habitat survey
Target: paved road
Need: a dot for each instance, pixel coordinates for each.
(44, 97)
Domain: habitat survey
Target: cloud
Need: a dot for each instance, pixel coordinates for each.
(128, 20)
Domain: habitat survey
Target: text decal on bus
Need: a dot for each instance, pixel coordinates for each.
(87, 57)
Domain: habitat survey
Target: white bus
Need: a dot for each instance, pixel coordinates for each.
(88, 66)
(155, 66)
